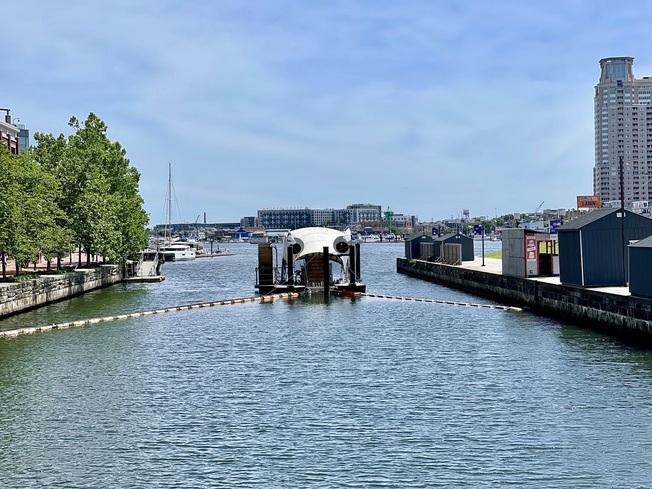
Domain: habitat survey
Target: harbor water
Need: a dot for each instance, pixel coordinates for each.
(354, 392)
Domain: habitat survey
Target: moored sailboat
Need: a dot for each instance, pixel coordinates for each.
(170, 249)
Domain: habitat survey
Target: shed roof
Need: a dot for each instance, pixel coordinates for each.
(450, 235)
(643, 243)
(417, 235)
(588, 218)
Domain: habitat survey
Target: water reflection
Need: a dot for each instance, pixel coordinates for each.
(350, 393)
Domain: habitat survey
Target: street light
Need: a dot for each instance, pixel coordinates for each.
(482, 228)
(476, 228)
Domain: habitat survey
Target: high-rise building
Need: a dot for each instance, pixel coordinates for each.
(23, 137)
(623, 132)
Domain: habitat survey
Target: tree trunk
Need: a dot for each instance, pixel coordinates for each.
(4, 264)
(79, 255)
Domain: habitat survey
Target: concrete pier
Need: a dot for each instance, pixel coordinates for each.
(22, 296)
(612, 310)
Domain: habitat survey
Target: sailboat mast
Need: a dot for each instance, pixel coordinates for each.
(168, 218)
(170, 197)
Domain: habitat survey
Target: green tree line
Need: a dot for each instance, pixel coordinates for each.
(67, 193)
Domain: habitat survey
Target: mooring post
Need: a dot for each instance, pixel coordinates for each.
(357, 262)
(326, 262)
(290, 258)
(352, 267)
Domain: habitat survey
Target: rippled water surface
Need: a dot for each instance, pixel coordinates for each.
(357, 392)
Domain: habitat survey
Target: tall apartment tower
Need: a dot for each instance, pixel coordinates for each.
(623, 128)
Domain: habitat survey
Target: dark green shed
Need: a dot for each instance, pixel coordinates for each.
(593, 247)
(468, 253)
(413, 245)
(640, 266)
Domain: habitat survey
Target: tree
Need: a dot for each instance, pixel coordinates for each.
(100, 189)
(30, 219)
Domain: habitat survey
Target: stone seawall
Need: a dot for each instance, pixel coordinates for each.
(618, 315)
(21, 296)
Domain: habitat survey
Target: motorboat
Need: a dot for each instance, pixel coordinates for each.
(313, 258)
(147, 269)
(258, 237)
(177, 252)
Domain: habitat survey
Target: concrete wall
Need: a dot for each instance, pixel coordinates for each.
(513, 246)
(21, 296)
(618, 315)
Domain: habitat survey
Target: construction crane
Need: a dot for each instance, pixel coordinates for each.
(538, 209)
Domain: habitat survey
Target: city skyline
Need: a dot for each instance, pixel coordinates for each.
(426, 109)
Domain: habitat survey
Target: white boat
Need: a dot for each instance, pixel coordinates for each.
(371, 238)
(312, 258)
(147, 269)
(177, 252)
(258, 237)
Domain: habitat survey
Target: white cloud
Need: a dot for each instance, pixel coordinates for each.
(428, 107)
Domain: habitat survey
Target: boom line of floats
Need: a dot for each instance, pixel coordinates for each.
(312, 260)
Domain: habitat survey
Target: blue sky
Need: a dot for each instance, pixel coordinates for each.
(427, 107)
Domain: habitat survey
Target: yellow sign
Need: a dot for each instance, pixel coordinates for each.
(588, 201)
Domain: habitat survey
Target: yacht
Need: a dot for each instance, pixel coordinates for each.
(177, 252)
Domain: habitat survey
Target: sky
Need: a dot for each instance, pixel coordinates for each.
(426, 107)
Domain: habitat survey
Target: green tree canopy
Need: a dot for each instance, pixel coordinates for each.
(31, 221)
(99, 189)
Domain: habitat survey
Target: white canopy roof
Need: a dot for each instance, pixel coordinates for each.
(313, 240)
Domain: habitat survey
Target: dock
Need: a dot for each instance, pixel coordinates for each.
(213, 255)
(147, 272)
(144, 278)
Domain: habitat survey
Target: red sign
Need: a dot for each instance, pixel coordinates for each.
(530, 247)
(588, 201)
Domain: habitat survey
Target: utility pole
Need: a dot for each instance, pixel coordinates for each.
(622, 218)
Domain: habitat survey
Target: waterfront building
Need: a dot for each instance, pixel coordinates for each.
(284, 218)
(623, 132)
(249, 222)
(352, 216)
(358, 213)
(23, 137)
(402, 221)
(9, 134)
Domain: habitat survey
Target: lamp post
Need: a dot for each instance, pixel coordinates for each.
(476, 228)
(482, 228)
